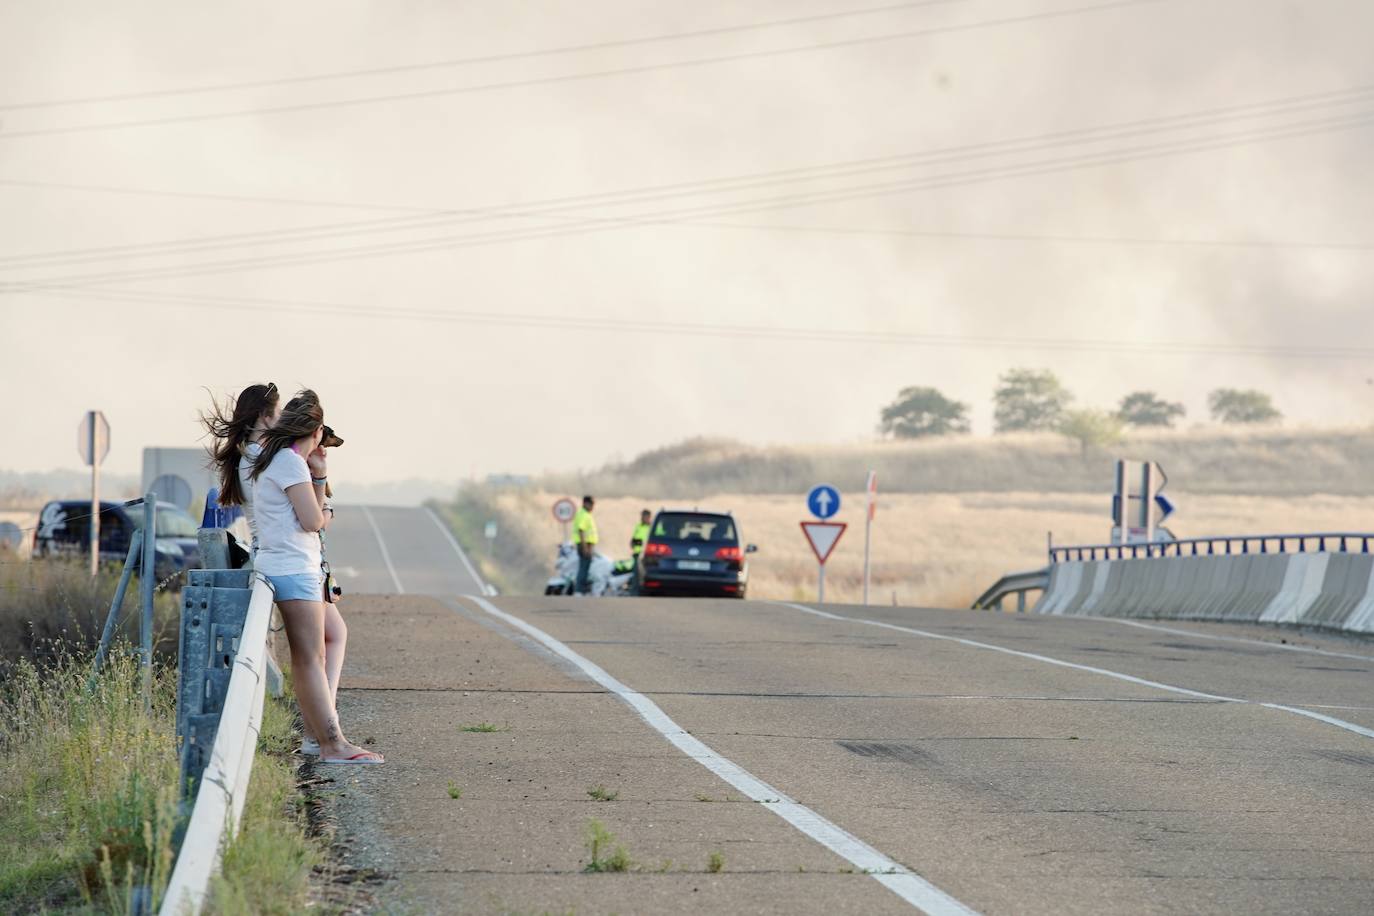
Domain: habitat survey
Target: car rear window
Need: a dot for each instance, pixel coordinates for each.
(171, 522)
(691, 526)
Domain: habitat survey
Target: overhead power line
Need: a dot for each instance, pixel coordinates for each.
(564, 78)
(604, 325)
(672, 217)
(452, 63)
(549, 208)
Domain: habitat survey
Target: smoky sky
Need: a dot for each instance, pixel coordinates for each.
(527, 262)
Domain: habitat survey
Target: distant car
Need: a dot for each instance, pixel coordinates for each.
(64, 529)
(694, 553)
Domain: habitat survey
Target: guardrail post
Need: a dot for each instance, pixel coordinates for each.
(116, 604)
(213, 608)
(147, 583)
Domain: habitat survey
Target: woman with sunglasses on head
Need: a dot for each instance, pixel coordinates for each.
(237, 427)
(289, 477)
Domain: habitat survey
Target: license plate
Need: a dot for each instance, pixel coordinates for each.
(702, 565)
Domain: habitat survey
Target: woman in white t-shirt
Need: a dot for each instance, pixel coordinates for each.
(289, 477)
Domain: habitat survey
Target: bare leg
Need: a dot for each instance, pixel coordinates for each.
(335, 644)
(305, 632)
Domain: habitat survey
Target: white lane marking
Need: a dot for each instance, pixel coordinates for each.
(1339, 723)
(896, 877)
(386, 554)
(1031, 655)
(1330, 720)
(1241, 639)
(453, 542)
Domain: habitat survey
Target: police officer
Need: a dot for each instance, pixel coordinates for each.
(584, 538)
(638, 539)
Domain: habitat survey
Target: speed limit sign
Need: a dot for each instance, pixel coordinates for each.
(564, 510)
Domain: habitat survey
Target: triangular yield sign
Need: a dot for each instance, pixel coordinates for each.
(823, 536)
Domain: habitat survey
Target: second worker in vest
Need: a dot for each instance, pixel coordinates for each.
(584, 538)
(638, 539)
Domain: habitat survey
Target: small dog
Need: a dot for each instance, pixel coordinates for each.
(332, 590)
(331, 440)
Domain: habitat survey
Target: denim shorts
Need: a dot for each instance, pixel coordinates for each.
(300, 587)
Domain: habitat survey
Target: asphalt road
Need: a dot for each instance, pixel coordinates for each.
(863, 760)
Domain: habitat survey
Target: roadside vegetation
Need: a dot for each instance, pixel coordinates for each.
(50, 609)
(87, 787)
(89, 777)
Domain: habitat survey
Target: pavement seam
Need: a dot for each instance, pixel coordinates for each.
(906, 884)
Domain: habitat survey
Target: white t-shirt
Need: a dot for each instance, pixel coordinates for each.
(284, 548)
(250, 452)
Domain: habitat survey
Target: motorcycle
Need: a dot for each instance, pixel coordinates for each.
(606, 578)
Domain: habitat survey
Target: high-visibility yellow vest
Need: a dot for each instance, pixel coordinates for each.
(639, 539)
(584, 528)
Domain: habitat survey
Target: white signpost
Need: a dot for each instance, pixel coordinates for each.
(823, 502)
(872, 489)
(564, 510)
(93, 444)
(490, 532)
(822, 536)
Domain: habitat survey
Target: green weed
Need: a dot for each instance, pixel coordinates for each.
(453, 790)
(601, 793)
(599, 841)
(715, 861)
(484, 727)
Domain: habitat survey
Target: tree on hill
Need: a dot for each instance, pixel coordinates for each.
(1233, 405)
(1029, 399)
(1091, 428)
(1145, 408)
(920, 411)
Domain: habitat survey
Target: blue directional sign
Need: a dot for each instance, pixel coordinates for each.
(823, 501)
(1166, 508)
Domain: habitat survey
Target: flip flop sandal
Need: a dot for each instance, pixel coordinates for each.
(362, 758)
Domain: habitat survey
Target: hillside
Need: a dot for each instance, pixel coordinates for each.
(1223, 461)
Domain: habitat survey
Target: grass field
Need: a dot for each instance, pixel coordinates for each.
(936, 549)
(954, 513)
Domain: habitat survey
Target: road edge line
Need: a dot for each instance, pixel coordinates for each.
(1129, 678)
(897, 878)
(1237, 639)
(487, 588)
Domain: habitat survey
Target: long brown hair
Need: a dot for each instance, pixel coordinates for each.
(301, 416)
(231, 423)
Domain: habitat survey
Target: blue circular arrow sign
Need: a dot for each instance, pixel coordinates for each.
(823, 501)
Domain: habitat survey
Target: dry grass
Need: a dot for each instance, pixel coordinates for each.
(51, 603)
(936, 549)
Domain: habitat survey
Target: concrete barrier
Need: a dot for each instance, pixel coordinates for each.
(1331, 590)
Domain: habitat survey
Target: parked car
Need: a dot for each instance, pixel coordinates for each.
(64, 529)
(694, 553)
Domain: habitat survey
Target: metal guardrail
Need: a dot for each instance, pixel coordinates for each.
(1239, 545)
(224, 784)
(1017, 584)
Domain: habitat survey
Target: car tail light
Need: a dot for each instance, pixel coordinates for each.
(729, 553)
(730, 588)
(652, 584)
(657, 550)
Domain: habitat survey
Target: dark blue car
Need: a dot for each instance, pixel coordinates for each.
(64, 529)
(694, 553)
